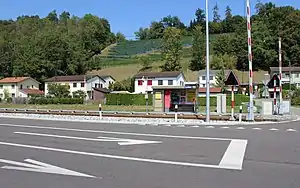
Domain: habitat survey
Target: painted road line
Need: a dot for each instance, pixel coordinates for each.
(120, 141)
(118, 133)
(180, 125)
(209, 127)
(167, 125)
(195, 126)
(256, 128)
(234, 155)
(291, 130)
(240, 128)
(274, 129)
(224, 127)
(226, 164)
(37, 166)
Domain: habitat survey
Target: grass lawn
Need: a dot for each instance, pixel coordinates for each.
(79, 107)
(104, 107)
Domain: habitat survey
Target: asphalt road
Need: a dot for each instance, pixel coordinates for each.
(38, 153)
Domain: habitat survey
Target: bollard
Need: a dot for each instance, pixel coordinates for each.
(241, 111)
(100, 111)
(176, 112)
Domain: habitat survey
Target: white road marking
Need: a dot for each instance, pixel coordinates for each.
(117, 133)
(226, 164)
(209, 127)
(240, 128)
(273, 129)
(120, 141)
(195, 126)
(234, 155)
(180, 125)
(256, 128)
(291, 130)
(224, 127)
(37, 166)
(168, 125)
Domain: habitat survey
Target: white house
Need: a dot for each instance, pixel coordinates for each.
(18, 87)
(294, 78)
(144, 81)
(109, 80)
(85, 83)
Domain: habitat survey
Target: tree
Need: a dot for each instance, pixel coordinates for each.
(59, 90)
(198, 50)
(142, 34)
(224, 61)
(146, 62)
(120, 37)
(172, 21)
(220, 80)
(156, 30)
(228, 13)
(216, 15)
(171, 49)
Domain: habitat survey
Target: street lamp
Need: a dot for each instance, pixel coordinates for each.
(207, 66)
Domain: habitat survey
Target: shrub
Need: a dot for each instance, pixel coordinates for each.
(47, 100)
(127, 99)
(238, 100)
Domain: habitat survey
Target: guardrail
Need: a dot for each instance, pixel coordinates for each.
(124, 114)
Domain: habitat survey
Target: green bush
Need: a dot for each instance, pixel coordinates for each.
(47, 100)
(127, 99)
(238, 100)
(287, 86)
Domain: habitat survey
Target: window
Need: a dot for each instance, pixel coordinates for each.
(82, 85)
(74, 84)
(149, 82)
(160, 82)
(211, 78)
(21, 86)
(13, 86)
(140, 82)
(170, 82)
(203, 85)
(203, 77)
(32, 86)
(96, 85)
(101, 85)
(181, 83)
(13, 95)
(1, 86)
(27, 87)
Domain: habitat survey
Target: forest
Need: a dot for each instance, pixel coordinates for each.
(64, 44)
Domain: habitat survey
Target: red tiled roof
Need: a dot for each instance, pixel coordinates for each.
(33, 91)
(13, 79)
(211, 90)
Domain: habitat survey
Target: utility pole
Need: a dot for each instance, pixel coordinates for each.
(251, 114)
(207, 66)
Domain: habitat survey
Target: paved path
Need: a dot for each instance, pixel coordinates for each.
(38, 153)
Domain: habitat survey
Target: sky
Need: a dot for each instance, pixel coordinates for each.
(126, 16)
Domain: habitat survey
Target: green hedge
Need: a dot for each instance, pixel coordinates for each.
(238, 100)
(127, 99)
(45, 100)
(287, 86)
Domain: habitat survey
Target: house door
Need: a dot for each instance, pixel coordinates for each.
(167, 100)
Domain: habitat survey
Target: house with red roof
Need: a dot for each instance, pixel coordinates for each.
(19, 87)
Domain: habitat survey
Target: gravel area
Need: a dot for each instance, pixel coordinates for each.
(141, 121)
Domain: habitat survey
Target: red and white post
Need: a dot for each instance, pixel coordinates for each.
(280, 74)
(251, 114)
(232, 103)
(274, 96)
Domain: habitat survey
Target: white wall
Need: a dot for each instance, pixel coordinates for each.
(203, 82)
(143, 88)
(107, 81)
(28, 83)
